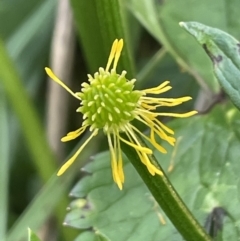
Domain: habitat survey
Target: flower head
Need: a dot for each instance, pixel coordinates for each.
(109, 102)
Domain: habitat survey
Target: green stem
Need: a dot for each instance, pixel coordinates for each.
(167, 197)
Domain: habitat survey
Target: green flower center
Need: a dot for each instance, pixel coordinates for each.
(108, 101)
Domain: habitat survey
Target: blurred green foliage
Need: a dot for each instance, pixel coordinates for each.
(156, 48)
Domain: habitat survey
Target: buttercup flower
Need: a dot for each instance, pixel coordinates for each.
(109, 102)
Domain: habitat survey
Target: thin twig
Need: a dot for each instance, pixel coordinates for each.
(62, 55)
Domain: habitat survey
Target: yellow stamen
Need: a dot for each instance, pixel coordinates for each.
(73, 158)
(56, 79)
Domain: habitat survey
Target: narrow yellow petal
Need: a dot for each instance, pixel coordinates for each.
(156, 102)
(164, 127)
(56, 79)
(183, 115)
(118, 53)
(156, 128)
(140, 148)
(73, 134)
(155, 144)
(73, 158)
(115, 173)
(142, 155)
(120, 161)
(171, 140)
(159, 89)
(151, 168)
(112, 54)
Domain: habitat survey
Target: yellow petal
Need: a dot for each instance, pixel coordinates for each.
(112, 54)
(183, 115)
(140, 148)
(159, 89)
(73, 134)
(113, 152)
(56, 79)
(154, 143)
(120, 161)
(73, 158)
(118, 53)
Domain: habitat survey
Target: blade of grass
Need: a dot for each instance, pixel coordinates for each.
(99, 22)
(32, 236)
(4, 166)
(28, 118)
(31, 126)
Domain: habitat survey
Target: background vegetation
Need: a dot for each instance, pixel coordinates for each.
(74, 38)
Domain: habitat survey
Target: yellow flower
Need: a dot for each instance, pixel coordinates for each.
(108, 102)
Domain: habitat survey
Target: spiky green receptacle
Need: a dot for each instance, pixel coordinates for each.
(108, 100)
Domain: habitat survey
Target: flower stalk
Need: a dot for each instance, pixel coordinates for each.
(167, 197)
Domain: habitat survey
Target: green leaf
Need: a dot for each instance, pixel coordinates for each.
(4, 165)
(161, 19)
(157, 19)
(90, 236)
(28, 118)
(32, 236)
(105, 22)
(224, 52)
(206, 175)
(29, 44)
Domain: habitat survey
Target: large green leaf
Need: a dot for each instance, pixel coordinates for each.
(161, 19)
(223, 50)
(206, 175)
